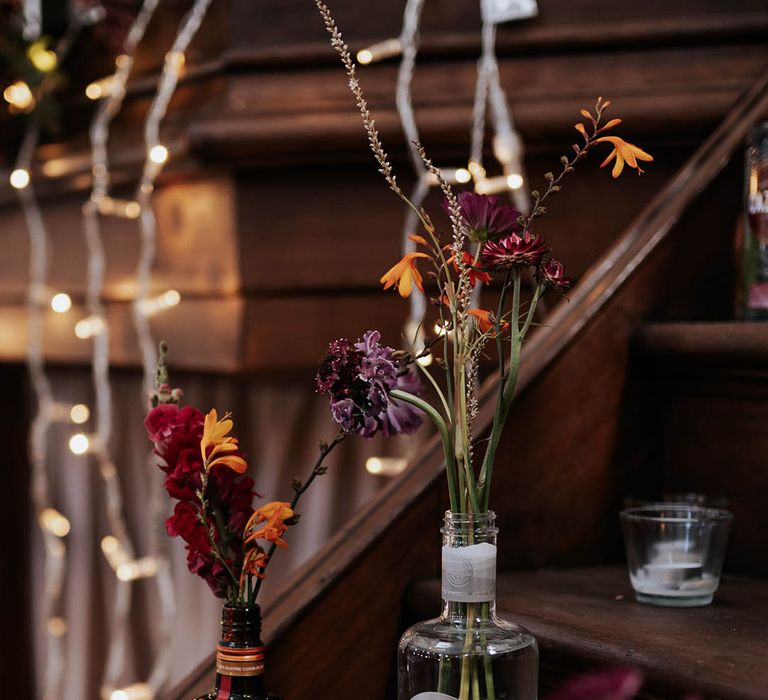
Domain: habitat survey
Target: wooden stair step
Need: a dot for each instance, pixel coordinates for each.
(722, 344)
(588, 617)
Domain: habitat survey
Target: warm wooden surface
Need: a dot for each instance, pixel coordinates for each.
(589, 617)
(736, 344)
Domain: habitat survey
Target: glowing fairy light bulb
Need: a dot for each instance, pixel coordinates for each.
(158, 154)
(41, 57)
(165, 301)
(514, 181)
(99, 88)
(379, 51)
(57, 626)
(477, 170)
(132, 210)
(61, 303)
(19, 178)
(176, 60)
(54, 522)
(19, 96)
(364, 57)
(109, 545)
(385, 466)
(373, 465)
(425, 360)
(79, 413)
(79, 444)
(137, 691)
(89, 326)
(462, 175)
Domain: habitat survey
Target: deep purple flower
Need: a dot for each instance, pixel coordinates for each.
(357, 377)
(402, 417)
(513, 251)
(485, 218)
(616, 684)
(552, 274)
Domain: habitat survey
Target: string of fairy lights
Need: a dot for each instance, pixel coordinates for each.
(507, 146)
(110, 91)
(117, 546)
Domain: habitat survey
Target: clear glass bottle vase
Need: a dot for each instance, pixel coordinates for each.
(468, 653)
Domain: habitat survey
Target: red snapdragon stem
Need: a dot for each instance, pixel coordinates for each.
(239, 656)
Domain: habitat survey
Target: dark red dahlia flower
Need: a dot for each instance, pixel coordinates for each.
(513, 252)
(552, 274)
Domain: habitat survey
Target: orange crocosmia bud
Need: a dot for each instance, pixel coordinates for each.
(404, 275)
(255, 560)
(418, 239)
(623, 152)
(486, 321)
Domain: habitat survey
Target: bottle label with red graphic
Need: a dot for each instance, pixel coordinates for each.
(239, 661)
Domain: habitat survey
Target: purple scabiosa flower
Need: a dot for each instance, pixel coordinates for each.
(552, 274)
(513, 251)
(485, 218)
(357, 378)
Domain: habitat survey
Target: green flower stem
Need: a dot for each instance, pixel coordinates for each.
(505, 402)
(203, 519)
(466, 665)
(445, 436)
(500, 415)
(490, 688)
(436, 387)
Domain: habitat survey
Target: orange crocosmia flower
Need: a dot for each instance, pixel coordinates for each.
(215, 436)
(474, 274)
(273, 515)
(624, 152)
(255, 560)
(404, 275)
(486, 321)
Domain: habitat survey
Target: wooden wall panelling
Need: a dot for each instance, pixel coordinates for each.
(563, 468)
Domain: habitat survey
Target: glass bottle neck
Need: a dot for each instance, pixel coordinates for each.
(240, 655)
(477, 613)
(469, 567)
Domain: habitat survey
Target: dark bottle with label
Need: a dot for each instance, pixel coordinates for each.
(755, 269)
(239, 656)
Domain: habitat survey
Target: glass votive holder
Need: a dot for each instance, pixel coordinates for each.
(675, 552)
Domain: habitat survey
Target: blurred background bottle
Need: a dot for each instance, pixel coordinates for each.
(755, 263)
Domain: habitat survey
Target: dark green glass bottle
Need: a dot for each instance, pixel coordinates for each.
(239, 657)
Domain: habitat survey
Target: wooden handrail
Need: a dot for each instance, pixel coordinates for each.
(644, 235)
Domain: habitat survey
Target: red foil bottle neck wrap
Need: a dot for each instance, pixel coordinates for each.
(239, 661)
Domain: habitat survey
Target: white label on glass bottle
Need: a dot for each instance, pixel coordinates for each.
(498, 11)
(433, 696)
(469, 573)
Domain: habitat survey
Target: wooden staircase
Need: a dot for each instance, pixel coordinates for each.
(578, 443)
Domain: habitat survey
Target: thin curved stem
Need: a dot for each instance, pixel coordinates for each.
(445, 437)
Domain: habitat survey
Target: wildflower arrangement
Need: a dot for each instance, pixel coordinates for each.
(485, 241)
(228, 543)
